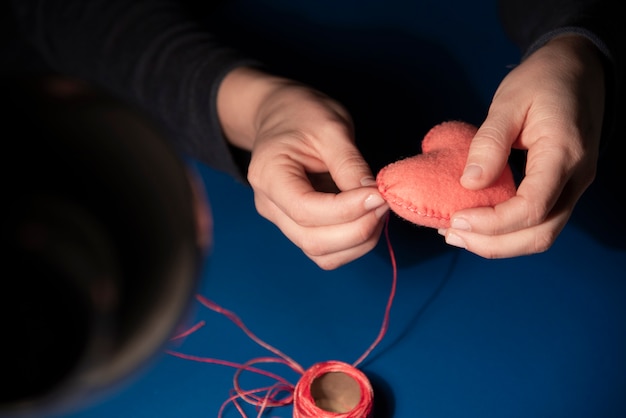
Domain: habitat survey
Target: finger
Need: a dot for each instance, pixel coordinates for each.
(535, 197)
(491, 146)
(524, 242)
(323, 240)
(345, 163)
(337, 259)
(332, 247)
(531, 240)
(292, 192)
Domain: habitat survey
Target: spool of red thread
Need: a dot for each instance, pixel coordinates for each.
(333, 389)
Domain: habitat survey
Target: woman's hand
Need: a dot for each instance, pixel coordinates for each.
(308, 177)
(551, 105)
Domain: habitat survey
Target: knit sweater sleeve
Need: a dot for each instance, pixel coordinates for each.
(532, 23)
(151, 53)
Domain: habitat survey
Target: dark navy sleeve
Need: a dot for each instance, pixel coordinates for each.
(152, 53)
(532, 23)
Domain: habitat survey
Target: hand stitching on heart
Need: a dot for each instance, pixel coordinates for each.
(425, 189)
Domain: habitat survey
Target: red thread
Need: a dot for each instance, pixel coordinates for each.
(189, 331)
(309, 395)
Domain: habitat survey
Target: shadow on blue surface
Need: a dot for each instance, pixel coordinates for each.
(384, 400)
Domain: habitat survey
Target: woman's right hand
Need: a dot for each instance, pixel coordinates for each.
(308, 177)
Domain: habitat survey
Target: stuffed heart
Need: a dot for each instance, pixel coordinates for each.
(425, 189)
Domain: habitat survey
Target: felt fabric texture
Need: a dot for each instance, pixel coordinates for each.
(425, 189)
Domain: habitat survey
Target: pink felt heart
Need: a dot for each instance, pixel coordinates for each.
(426, 190)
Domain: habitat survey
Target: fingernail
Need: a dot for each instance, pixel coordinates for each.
(368, 181)
(455, 240)
(380, 212)
(373, 201)
(461, 223)
(472, 172)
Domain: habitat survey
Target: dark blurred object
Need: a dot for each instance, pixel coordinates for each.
(101, 247)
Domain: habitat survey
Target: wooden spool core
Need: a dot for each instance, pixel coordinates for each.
(336, 392)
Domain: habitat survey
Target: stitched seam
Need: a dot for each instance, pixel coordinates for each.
(426, 213)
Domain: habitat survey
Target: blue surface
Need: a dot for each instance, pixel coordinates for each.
(537, 336)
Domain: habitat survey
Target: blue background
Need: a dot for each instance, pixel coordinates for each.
(536, 336)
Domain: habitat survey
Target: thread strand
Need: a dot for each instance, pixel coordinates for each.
(392, 293)
(269, 397)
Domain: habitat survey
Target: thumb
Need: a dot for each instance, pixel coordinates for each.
(348, 168)
(489, 151)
